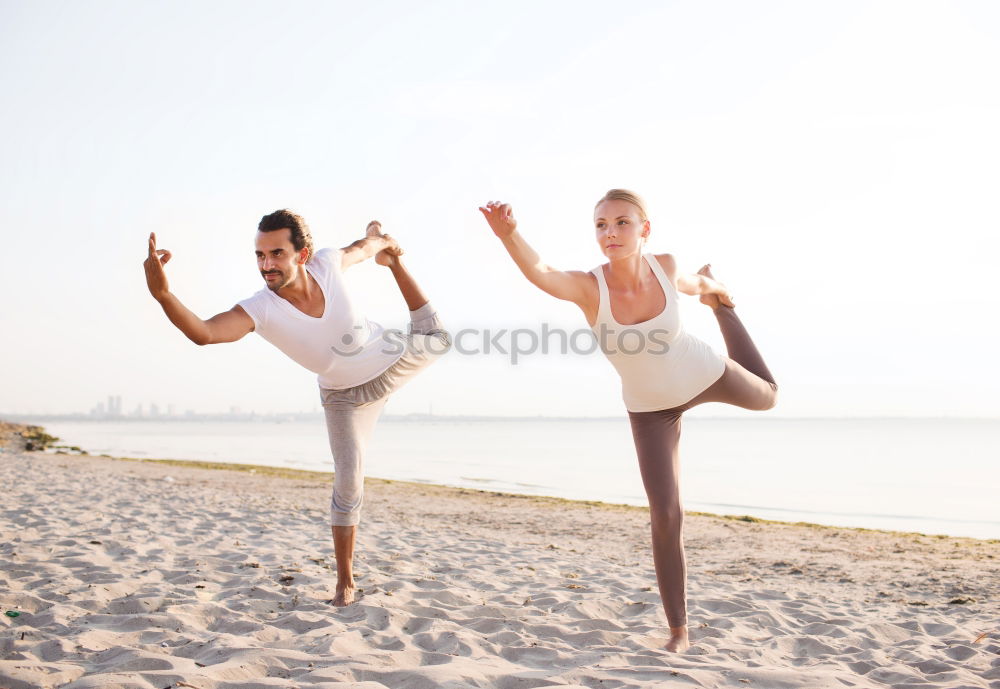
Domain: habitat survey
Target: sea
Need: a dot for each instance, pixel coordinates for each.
(932, 476)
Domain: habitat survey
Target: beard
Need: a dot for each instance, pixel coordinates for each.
(276, 284)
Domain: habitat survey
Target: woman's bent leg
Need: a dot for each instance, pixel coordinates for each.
(740, 347)
(746, 381)
(657, 436)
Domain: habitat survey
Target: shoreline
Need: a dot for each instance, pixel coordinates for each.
(326, 476)
(285, 417)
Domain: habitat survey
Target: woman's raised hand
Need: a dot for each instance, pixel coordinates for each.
(500, 216)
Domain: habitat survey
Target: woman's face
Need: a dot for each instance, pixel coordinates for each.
(619, 228)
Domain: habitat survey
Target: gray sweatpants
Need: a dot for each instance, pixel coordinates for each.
(351, 413)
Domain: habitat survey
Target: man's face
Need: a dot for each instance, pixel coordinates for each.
(277, 259)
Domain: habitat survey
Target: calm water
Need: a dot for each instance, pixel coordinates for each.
(931, 476)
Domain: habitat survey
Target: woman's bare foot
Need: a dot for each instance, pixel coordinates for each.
(374, 229)
(343, 598)
(712, 300)
(678, 642)
(709, 299)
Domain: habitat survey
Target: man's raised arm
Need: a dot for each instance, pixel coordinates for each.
(227, 326)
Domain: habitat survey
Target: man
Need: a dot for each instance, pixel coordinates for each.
(306, 312)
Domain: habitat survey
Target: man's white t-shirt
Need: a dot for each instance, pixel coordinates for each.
(342, 346)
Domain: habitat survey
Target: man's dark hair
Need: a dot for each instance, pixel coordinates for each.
(279, 220)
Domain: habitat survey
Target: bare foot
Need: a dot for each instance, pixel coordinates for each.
(386, 257)
(709, 299)
(678, 642)
(389, 257)
(343, 598)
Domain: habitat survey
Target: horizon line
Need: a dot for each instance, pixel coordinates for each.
(247, 416)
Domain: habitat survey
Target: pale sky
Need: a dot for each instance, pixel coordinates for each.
(836, 162)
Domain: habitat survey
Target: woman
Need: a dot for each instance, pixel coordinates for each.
(631, 303)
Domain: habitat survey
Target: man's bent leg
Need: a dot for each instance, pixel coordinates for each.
(414, 296)
(425, 343)
(425, 321)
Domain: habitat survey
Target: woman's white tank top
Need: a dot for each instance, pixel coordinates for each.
(661, 365)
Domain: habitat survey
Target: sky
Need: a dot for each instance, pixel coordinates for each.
(835, 162)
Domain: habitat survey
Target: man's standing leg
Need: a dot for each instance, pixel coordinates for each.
(343, 548)
(351, 417)
(349, 425)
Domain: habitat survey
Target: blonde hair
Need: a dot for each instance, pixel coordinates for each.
(625, 195)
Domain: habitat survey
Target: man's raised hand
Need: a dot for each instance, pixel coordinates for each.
(156, 277)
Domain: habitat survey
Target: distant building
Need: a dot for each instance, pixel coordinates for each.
(114, 406)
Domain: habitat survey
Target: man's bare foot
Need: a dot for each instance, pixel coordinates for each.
(386, 257)
(678, 642)
(389, 257)
(343, 598)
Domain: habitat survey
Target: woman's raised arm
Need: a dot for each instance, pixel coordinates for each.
(569, 285)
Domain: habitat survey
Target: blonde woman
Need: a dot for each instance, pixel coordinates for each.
(631, 303)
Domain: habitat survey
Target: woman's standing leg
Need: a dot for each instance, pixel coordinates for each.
(745, 382)
(657, 438)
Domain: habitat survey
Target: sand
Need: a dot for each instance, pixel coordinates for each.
(153, 575)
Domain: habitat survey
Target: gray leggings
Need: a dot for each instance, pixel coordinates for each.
(351, 413)
(746, 383)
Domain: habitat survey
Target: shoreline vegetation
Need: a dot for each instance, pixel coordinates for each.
(22, 437)
(17, 437)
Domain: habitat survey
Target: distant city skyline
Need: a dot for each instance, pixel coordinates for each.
(153, 411)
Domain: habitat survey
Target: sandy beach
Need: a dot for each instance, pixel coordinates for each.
(144, 574)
